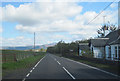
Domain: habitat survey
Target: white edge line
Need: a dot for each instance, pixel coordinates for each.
(34, 68)
(23, 79)
(31, 71)
(69, 73)
(27, 74)
(39, 62)
(92, 67)
(58, 62)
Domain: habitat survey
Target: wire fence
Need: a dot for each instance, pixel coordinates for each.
(14, 55)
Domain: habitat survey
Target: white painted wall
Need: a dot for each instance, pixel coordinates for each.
(98, 52)
(112, 51)
(80, 52)
(107, 51)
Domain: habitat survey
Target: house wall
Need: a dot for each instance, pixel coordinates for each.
(107, 52)
(112, 52)
(80, 52)
(98, 52)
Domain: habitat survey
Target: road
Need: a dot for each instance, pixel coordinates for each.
(54, 67)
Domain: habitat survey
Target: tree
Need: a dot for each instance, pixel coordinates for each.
(64, 48)
(107, 27)
(41, 49)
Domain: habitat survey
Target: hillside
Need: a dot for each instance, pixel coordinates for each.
(29, 47)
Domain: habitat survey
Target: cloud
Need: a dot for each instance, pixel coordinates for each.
(17, 41)
(114, 5)
(1, 29)
(34, 13)
(56, 17)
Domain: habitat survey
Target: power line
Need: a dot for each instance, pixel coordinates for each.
(101, 12)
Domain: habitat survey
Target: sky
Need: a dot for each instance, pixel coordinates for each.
(52, 21)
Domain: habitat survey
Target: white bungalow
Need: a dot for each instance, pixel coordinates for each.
(83, 47)
(113, 46)
(97, 47)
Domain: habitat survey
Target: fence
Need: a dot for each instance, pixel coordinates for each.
(13, 55)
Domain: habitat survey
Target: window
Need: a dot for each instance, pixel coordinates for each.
(116, 51)
(119, 51)
(110, 52)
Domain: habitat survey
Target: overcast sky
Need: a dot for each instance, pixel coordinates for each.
(52, 21)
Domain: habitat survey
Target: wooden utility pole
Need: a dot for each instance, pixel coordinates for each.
(61, 48)
(34, 43)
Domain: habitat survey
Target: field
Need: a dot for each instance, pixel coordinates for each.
(16, 55)
(25, 59)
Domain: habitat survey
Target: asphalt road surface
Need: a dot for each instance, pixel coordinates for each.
(54, 67)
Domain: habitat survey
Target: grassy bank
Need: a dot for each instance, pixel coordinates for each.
(107, 67)
(24, 63)
(12, 55)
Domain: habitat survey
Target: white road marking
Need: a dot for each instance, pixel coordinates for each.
(69, 73)
(23, 79)
(92, 67)
(31, 71)
(27, 74)
(33, 68)
(58, 62)
(36, 65)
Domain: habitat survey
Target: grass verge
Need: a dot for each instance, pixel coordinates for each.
(24, 63)
(110, 68)
(21, 64)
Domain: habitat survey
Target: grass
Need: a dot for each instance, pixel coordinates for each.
(24, 63)
(9, 55)
(110, 68)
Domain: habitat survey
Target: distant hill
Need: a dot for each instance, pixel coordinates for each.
(29, 47)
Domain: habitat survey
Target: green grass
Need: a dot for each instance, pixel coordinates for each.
(106, 67)
(9, 55)
(24, 63)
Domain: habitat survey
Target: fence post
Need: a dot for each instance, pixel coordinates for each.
(15, 57)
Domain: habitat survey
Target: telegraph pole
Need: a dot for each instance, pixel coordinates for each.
(61, 47)
(34, 43)
(104, 24)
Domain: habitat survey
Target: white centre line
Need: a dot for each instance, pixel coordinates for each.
(69, 73)
(58, 62)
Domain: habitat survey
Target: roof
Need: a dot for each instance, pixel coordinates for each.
(99, 42)
(113, 36)
(116, 41)
(84, 46)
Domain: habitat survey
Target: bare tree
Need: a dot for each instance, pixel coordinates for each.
(107, 27)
